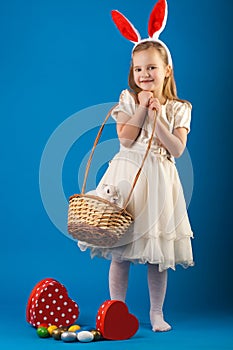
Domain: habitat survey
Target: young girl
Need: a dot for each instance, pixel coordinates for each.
(161, 232)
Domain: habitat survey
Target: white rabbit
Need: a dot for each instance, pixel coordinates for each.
(110, 193)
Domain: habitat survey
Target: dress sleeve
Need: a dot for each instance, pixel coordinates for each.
(126, 104)
(183, 116)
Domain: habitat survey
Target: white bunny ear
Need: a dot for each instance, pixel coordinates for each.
(158, 19)
(125, 27)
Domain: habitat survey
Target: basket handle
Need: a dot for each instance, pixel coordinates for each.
(143, 161)
(93, 149)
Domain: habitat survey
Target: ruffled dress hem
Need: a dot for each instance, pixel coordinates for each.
(152, 254)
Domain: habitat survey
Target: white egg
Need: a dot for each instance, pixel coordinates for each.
(68, 336)
(85, 336)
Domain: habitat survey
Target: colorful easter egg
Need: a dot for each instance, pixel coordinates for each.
(85, 336)
(56, 334)
(51, 329)
(87, 328)
(69, 337)
(97, 334)
(42, 332)
(74, 328)
(45, 325)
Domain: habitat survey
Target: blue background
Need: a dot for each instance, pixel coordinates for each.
(58, 57)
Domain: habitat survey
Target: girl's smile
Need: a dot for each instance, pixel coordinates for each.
(145, 81)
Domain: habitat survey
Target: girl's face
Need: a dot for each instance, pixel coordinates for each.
(150, 71)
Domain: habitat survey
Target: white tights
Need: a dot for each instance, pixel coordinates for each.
(118, 279)
(157, 284)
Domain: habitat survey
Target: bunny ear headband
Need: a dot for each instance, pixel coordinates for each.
(157, 22)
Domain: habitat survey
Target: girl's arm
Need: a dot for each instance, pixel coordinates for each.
(128, 128)
(174, 142)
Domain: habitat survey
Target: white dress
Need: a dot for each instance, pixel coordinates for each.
(161, 231)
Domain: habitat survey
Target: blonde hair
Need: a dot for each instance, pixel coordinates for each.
(169, 86)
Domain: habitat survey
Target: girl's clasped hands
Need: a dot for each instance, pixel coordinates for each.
(147, 99)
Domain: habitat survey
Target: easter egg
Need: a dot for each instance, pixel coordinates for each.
(51, 329)
(69, 337)
(87, 328)
(42, 332)
(74, 328)
(45, 325)
(85, 336)
(97, 334)
(56, 334)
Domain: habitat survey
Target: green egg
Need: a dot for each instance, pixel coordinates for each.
(42, 332)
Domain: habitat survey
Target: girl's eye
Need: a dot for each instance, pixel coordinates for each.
(152, 67)
(137, 70)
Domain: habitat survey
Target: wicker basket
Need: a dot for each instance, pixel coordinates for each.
(94, 220)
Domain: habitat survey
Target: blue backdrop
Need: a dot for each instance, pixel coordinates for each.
(60, 57)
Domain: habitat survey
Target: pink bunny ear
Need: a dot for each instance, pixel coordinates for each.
(158, 19)
(125, 27)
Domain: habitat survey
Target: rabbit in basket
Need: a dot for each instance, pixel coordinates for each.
(110, 193)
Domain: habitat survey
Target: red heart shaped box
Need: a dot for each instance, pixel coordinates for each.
(115, 322)
(49, 303)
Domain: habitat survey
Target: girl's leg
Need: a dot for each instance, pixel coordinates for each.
(157, 283)
(118, 279)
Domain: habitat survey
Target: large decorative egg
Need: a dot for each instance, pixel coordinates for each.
(69, 337)
(85, 336)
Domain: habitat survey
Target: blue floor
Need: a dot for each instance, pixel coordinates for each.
(189, 333)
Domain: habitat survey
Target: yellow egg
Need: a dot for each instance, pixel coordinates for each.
(74, 328)
(51, 329)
